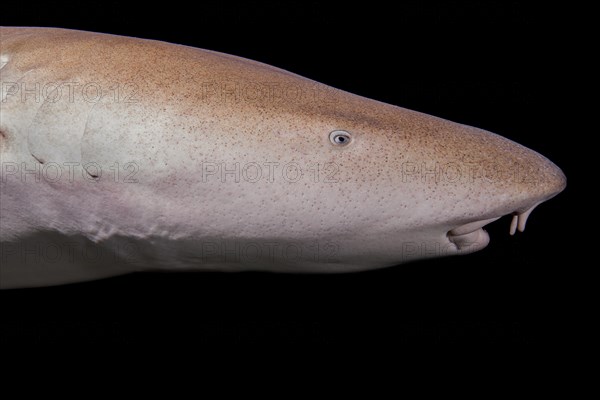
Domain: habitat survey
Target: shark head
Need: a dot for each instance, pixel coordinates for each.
(415, 186)
(205, 161)
(286, 174)
(377, 185)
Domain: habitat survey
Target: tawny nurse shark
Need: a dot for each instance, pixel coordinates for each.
(122, 154)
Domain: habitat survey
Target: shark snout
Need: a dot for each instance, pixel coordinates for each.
(509, 177)
(536, 180)
(558, 181)
(548, 181)
(526, 179)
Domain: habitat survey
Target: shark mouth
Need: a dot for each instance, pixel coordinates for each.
(473, 237)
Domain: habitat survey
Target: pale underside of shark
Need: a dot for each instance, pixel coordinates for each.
(121, 154)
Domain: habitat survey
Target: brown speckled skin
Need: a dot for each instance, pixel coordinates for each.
(405, 179)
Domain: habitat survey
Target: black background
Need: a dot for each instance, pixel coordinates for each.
(485, 64)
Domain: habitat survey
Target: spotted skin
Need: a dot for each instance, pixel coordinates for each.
(178, 158)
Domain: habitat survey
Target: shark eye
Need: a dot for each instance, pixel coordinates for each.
(340, 138)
